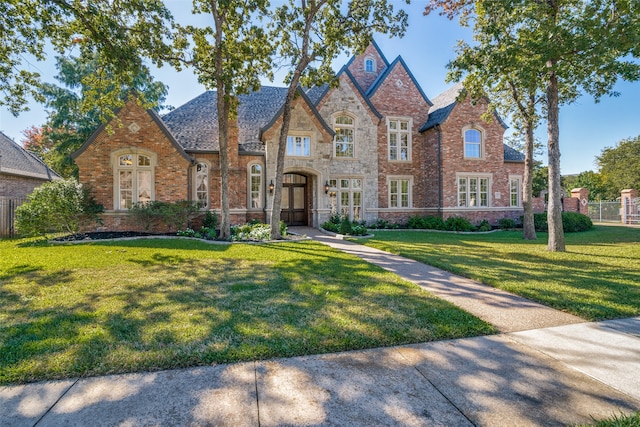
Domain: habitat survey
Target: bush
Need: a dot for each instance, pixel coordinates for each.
(458, 223)
(210, 220)
(434, 223)
(416, 221)
(346, 226)
(255, 231)
(506, 223)
(380, 224)
(573, 222)
(147, 213)
(62, 205)
(174, 216)
(483, 226)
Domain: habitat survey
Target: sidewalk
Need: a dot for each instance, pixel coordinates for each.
(556, 375)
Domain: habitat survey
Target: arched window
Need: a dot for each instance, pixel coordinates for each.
(472, 143)
(133, 179)
(255, 186)
(369, 65)
(201, 187)
(344, 139)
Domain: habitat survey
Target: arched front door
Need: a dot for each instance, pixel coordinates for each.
(294, 199)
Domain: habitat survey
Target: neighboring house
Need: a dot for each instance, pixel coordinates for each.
(373, 147)
(20, 170)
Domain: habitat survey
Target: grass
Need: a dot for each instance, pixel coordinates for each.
(110, 307)
(597, 278)
(622, 420)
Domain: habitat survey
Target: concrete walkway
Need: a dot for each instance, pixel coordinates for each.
(556, 375)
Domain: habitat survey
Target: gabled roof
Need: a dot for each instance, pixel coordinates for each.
(195, 124)
(511, 155)
(311, 105)
(442, 106)
(154, 116)
(15, 160)
(382, 77)
(378, 50)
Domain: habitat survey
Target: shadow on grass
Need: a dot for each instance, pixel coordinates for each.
(175, 309)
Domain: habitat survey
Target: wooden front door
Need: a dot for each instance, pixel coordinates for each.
(294, 199)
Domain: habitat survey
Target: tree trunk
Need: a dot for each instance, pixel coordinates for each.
(223, 140)
(554, 215)
(528, 227)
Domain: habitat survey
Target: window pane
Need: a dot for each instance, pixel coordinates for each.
(404, 125)
(144, 161)
(344, 120)
(298, 197)
(126, 189)
(144, 186)
(126, 160)
(285, 198)
(344, 203)
(357, 205)
(356, 183)
(333, 183)
(344, 183)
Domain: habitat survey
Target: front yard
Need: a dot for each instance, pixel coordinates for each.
(99, 308)
(597, 278)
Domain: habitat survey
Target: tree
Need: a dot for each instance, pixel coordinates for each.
(230, 56)
(570, 46)
(118, 34)
(620, 167)
(70, 122)
(589, 180)
(311, 34)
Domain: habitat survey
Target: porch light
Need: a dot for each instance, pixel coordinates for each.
(271, 187)
(326, 187)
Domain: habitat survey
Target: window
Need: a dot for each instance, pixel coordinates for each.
(515, 197)
(399, 193)
(345, 197)
(472, 143)
(473, 191)
(369, 65)
(344, 127)
(399, 137)
(133, 179)
(201, 187)
(255, 186)
(299, 146)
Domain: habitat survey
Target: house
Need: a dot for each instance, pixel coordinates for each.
(20, 170)
(375, 146)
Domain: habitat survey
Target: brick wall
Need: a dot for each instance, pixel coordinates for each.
(14, 186)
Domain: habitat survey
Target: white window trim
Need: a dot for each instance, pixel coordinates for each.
(337, 190)
(352, 127)
(400, 178)
(261, 187)
(519, 179)
(489, 178)
(482, 142)
(364, 64)
(296, 135)
(409, 132)
(195, 189)
(116, 168)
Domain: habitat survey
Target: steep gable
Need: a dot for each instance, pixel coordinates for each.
(364, 73)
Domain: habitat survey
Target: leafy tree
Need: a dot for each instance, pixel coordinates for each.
(70, 122)
(310, 34)
(589, 180)
(569, 46)
(117, 34)
(228, 56)
(540, 180)
(56, 206)
(620, 167)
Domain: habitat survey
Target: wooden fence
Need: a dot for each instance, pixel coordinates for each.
(8, 214)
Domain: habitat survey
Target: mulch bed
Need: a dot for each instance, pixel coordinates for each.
(101, 235)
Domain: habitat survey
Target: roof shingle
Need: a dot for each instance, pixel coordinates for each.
(16, 160)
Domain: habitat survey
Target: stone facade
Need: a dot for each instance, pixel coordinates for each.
(378, 104)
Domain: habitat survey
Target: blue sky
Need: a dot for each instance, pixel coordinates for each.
(586, 127)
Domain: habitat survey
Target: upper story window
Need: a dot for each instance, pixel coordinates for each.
(344, 139)
(369, 65)
(473, 144)
(255, 186)
(399, 137)
(133, 178)
(298, 146)
(201, 189)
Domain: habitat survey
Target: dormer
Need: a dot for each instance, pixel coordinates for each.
(367, 66)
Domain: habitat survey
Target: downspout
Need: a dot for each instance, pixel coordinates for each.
(439, 130)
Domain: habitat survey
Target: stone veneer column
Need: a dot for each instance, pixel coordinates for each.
(582, 194)
(627, 197)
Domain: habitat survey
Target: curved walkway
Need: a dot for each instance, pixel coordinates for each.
(554, 376)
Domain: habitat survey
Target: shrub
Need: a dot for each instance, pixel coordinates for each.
(359, 230)
(380, 224)
(174, 215)
(434, 223)
(416, 221)
(506, 223)
(330, 226)
(346, 227)
(574, 222)
(62, 205)
(483, 226)
(458, 223)
(147, 213)
(210, 220)
(255, 231)
(540, 221)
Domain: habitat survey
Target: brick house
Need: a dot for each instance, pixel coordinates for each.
(373, 147)
(20, 170)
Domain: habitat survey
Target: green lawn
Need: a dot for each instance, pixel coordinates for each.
(99, 308)
(598, 277)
